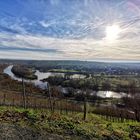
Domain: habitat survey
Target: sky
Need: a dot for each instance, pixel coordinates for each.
(70, 29)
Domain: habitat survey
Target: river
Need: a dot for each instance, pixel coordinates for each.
(43, 85)
(37, 82)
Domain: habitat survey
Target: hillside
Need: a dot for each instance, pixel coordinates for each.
(62, 119)
(19, 123)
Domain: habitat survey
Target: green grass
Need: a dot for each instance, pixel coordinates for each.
(94, 127)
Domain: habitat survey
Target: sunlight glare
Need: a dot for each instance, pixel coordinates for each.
(112, 32)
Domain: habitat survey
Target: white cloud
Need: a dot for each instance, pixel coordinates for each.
(45, 24)
(87, 49)
(69, 22)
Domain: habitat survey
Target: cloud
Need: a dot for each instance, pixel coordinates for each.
(87, 49)
(29, 49)
(27, 55)
(57, 29)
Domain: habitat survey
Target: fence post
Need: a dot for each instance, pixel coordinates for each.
(24, 93)
(13, 102)
(51, 106)
(66, 107)
(85, 108)
(4, 98)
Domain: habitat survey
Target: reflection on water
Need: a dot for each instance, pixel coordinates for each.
(110, 94)
(43, 85)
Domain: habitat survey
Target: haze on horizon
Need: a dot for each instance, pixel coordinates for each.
(70, 29)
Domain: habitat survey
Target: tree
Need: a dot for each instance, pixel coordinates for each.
(106, 86)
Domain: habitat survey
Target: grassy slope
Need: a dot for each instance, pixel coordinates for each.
(70, 126)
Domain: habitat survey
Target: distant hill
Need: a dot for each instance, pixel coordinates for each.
(83, 66)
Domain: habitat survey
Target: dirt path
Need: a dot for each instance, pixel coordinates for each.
(16, 132)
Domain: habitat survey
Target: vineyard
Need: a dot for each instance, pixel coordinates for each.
(55, 113)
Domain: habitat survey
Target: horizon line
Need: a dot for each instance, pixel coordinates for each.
(96, 60)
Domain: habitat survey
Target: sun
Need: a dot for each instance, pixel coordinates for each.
(112, 32)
